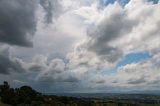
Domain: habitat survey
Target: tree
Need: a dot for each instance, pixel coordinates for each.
(7, 94)
(26, 94)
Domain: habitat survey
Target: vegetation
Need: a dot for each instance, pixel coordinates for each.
(26, 96)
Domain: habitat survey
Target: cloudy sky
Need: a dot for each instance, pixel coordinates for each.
(81, 45)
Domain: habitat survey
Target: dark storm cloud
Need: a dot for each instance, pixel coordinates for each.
(9, 64)
(17, 21)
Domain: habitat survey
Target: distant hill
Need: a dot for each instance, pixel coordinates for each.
(103, 95)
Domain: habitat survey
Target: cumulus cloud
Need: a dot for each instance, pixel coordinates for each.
(116, 31)
(107, 25)
(40, 67)
(139, 74)
(38, 64)
(130, 77)
(50, 70)
(111, 27)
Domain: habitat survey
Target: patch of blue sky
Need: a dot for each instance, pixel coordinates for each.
(128, 59)
(133, 58)
(121, 2)
(109, 72)
(103, 71)
(106, 2)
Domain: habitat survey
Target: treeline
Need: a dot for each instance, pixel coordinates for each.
(22, 95)
(26, 96)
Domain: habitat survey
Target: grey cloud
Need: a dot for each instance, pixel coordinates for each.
(137, 81)
(9, 64)
(17, 21)
(57, 66)
(42, 64)
(141, 74)
(100, 82)
(49, 6)
(111, 28)
(68, 78)
(40, 67)
(54, 70)
(36, 68)
(155, 31)
(55, 77)
(38, 64)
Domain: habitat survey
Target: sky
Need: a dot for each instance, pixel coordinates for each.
(83, 46)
